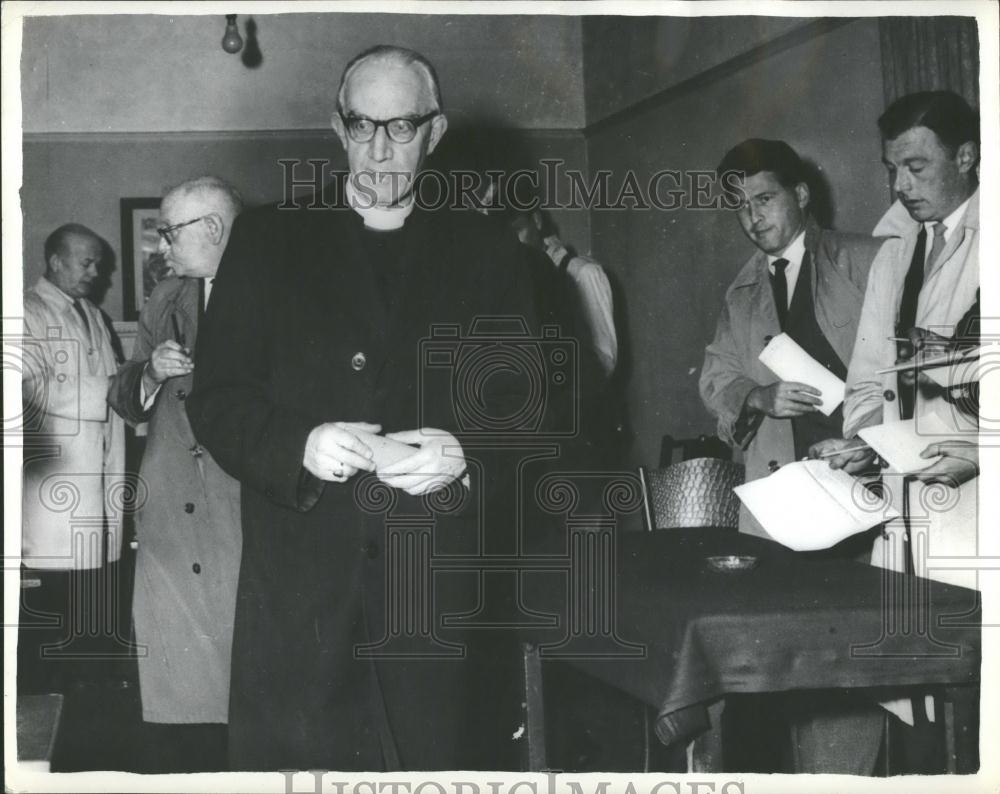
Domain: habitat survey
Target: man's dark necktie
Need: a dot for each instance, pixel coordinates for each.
(779, 285)
(83, 316)
(907, 319)
(920, 264)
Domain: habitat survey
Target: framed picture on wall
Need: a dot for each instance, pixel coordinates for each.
(143, 267)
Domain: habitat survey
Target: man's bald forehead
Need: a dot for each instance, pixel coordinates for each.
(383, 60)
(403, 75)
(204, 194)
(59, 241)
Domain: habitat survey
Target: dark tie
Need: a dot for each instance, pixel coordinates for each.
(907, 316)
(779, 284)
(83, 316)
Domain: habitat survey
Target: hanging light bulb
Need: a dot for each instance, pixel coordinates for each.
(232, 42)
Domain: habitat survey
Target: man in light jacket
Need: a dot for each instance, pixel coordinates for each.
(806, 282)
(74, 472)
(924, 285)
(803, 280)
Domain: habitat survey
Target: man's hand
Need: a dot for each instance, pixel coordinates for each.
(784, 399)
(333, 453)
(169, 360)
(959, 463)
(439, 462)
(850, 454)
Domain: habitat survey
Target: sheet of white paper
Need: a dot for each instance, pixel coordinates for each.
(900, 443)
(808, 506)
(786, 359)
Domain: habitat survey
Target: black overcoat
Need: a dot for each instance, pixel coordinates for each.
(296, 335)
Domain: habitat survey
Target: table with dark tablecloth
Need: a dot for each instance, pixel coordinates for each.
(648, 615)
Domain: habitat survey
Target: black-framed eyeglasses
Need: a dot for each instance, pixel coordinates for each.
(361, 129)
(167, 232)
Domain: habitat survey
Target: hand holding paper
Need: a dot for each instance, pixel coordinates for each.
(385, 451)
(809, 506)
(786, 359)
(851, 455)
(784, 399)
(902, 443)
(957, 462)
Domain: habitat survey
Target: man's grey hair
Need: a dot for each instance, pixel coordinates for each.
(398, 56)
(212, 191)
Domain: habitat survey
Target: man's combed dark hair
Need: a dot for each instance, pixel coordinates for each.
(943, 112)
(758, 154)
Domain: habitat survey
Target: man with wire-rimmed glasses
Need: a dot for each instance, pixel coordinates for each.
(188, 526)
(312, 344)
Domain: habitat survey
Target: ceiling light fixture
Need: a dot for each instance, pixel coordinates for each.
(232, 41)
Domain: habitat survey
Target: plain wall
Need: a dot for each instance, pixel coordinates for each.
(82, 178)
(630, 58)
(673, 267)
(124, 106)
(148, 73)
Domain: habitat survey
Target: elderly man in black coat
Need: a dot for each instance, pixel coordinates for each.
(321, 332)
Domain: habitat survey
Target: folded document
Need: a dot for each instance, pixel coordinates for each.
(808, 506)
(786, 359)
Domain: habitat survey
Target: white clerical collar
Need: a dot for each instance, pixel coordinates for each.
(379, 218)
(950, 223)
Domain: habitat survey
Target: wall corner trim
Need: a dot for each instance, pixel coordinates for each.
(785, 41)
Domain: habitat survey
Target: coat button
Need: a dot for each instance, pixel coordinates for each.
(189, 507)
(371, 549)
(180, 394)
(197, 451)
(773, 466)
(358, 362)
(889, 395)
(767, 339)
(196, 568)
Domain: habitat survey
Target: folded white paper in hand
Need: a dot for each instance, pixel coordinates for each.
(385, 451)
(786, 359)
(900, 443)
(808, 506)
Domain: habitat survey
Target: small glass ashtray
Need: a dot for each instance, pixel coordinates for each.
(731, 563)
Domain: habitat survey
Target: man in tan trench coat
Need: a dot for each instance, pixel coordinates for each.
(189, 528)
